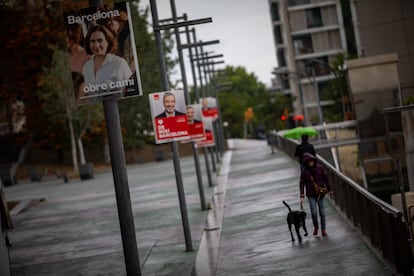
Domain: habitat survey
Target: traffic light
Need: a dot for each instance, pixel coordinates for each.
(284, 115)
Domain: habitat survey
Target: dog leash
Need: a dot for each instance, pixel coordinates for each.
(301, 206)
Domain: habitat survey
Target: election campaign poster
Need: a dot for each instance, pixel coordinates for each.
(168, 110)
(209, 140)
(195, 122)
(209, 107)
(102, 53)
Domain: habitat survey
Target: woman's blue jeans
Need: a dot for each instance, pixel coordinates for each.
(313, 204)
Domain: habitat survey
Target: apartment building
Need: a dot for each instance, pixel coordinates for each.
(378, 38)
(309, 35)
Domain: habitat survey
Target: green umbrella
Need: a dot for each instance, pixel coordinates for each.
(297, 132)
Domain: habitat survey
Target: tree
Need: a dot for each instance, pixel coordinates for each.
(28, 46)
(337, 91)
(27, 33)
(57, 93)
(246, 91)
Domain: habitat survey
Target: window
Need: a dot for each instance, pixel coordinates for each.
(275, 12)
(319, 66)
(284, 81)
(303, 44)
(278, 35)
(314, 18)
(281, 57)
(325, 91)
(292, 3)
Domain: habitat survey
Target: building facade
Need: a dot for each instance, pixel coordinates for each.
(376, 37)
(309, 35)
(387, 27)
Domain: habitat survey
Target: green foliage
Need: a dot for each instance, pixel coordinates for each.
(274, 107)
(34, 49)
(409, 100)
(246, 91)
(337, 91)
(59, 105)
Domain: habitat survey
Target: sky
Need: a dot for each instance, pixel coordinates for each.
(242, 26)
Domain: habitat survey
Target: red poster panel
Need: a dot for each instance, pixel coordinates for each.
(102, 53)
(197, 131)
(195, 122)
(209, 108)
(209, 140)
(169, 117)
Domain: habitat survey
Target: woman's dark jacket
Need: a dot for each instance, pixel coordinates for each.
(318, 174)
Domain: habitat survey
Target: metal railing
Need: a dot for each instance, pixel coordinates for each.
(377, 220)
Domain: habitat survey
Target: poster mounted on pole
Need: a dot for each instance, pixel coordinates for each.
(169, 118)
(195, 122)
(102, 53)
(209, 108)
(209, 140)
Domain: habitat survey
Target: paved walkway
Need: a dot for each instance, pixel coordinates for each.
(74, 229)
(255, 239)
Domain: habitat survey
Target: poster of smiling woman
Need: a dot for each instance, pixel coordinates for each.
(102, 53)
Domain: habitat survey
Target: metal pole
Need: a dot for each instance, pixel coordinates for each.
(218, 124)
(213, 161)
(198, 66)
(215, 126)
(188, 101)
(305, 110)
(174, 146)
(190, 52)
(210, 183)
(317, 94)
(119, 173)
(208, 86)
(123, 199)
(199, 177)
(206, 76)
(180, 52)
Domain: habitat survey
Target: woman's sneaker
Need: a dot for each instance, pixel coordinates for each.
(315, 231)
(324, 233)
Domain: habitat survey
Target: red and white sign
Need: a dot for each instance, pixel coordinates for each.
(169, 117)
(209, 140)
(197, 131)
(209, 108)
(195, 122)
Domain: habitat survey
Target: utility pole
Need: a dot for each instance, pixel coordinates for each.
(174, 146)
(119, 172)
(188, 101)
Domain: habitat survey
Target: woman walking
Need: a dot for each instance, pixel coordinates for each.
(314, 174)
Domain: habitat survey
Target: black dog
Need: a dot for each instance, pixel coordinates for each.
(297, 218)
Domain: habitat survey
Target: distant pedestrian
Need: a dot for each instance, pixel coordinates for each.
(312, 174)
(305, 146)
